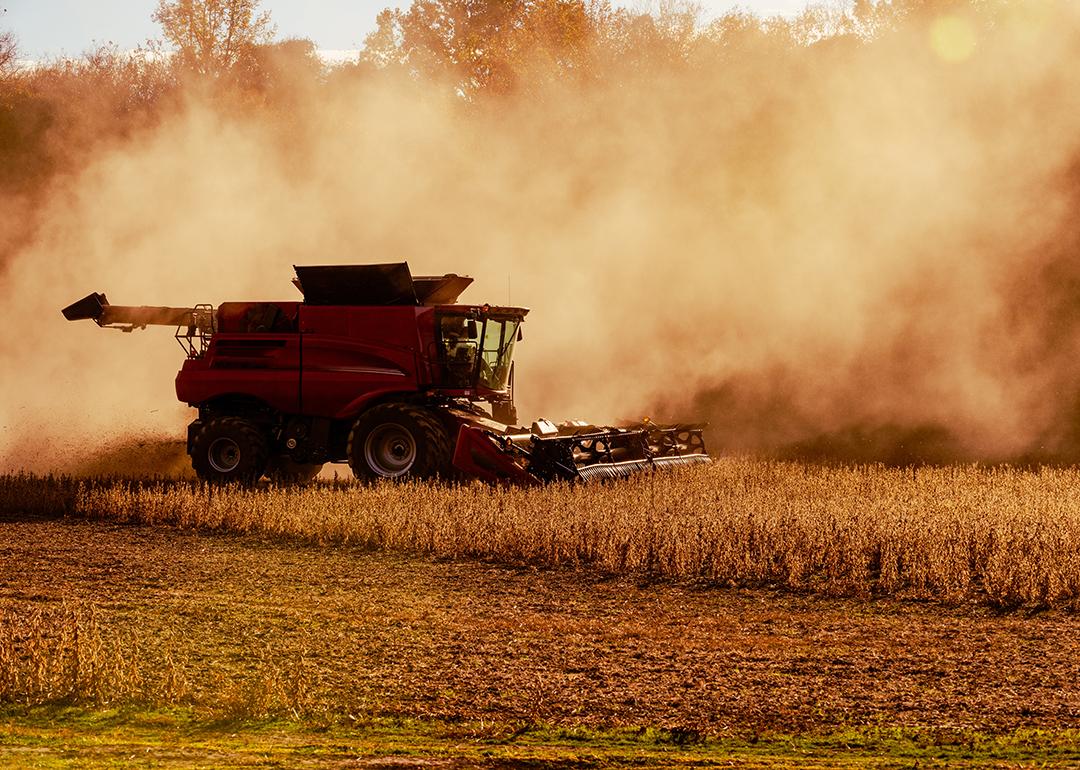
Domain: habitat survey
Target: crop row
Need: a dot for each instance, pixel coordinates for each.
(1007, 536)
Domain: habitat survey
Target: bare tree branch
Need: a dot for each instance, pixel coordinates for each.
(8, 52)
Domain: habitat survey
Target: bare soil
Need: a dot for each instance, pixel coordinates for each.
(385, 634)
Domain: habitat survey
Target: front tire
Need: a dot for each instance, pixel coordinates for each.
(229, 450)
(398, 441)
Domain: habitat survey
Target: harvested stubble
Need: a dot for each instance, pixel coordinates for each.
(1004, 535)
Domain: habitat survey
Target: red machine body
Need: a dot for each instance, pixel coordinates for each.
(328, 361)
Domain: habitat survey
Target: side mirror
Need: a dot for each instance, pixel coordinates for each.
(471, 329)
(520, 335)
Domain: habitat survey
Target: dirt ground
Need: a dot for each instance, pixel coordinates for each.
(390, 635)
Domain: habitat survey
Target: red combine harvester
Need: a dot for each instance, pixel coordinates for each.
(380, 369)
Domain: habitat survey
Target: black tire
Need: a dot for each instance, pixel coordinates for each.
(284, 470)
(399, 441)
(229, 449)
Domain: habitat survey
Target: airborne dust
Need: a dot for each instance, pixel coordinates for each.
(864, 250)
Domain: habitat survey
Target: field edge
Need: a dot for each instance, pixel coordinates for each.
(61, 735)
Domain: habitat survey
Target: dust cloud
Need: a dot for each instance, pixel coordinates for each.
(863, 249)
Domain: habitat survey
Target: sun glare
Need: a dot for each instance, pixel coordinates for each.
(953, 38)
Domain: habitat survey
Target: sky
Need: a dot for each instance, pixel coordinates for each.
(47, 28)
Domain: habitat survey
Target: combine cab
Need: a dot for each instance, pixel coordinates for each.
(380, 369)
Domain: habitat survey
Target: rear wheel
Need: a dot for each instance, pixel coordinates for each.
(229, 449)
(395, 441)
(285, 470)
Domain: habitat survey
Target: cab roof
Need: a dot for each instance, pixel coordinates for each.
(488, 310)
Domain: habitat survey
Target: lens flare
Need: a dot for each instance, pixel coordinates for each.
(953, 38)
